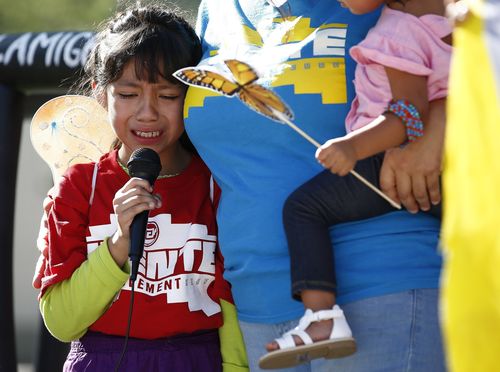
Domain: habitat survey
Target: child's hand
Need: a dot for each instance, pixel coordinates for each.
(133, 198)
(337, 155)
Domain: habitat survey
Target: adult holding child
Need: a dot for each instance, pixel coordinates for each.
(387, 267)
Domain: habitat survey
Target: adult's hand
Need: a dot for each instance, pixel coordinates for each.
(411, 174)
(42, 242)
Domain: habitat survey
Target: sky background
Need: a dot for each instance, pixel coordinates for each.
(66, 15)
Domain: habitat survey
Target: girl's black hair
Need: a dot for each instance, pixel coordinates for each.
(158, 40)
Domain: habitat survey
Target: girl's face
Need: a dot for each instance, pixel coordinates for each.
(144, 114)
(361, 6)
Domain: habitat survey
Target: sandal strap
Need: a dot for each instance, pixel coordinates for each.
(340, 327)
(286, 341)
(311, 316)
(303, 335)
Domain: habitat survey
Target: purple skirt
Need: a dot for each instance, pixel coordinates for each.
(97, 352)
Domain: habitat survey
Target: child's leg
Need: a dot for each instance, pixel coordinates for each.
(323, 201)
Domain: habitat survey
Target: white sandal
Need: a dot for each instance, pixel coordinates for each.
(340, 344)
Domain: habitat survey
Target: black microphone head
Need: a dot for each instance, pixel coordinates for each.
(144, 163)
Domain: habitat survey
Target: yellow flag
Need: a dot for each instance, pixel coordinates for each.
(471, 225)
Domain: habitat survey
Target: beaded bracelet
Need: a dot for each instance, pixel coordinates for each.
(410, 117)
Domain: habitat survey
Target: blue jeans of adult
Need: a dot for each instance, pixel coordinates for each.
(397, 332)
(325, 200)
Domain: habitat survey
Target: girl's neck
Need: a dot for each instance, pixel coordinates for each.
(417, 8)
(173, 160)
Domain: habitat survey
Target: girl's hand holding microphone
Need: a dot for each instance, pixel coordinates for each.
(133, 198)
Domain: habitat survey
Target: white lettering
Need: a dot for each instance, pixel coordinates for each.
(188, 253)
(50, 51)
(195, 295)
(72, 55)
(20, 45)
(42, 41)
(159, 262)
(62, 44)
(59, 48)
(330, 42)
(158, 266)
(208, 262)
(100, 232)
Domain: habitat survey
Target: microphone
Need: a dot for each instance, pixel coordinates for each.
(144, 163)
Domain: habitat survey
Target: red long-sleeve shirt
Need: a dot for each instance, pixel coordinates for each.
(180, 276)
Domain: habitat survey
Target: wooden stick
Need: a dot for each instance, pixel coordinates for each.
(285, 120)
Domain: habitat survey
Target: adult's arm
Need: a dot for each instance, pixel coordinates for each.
(411, 174)
(71, 306)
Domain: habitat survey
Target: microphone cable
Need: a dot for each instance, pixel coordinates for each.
(129, 323)
(144, 163)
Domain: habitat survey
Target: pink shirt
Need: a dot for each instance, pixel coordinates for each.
(403, 42)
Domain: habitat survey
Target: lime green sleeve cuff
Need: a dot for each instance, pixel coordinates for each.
(234, 356)
(228, 367)
(71, 306)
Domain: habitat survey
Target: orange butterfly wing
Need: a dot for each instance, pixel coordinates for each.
(258, 98)
(255, 96)
(263, 101)
(243, 74)
(207, 79)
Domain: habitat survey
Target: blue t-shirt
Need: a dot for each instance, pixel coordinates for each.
(258, 162)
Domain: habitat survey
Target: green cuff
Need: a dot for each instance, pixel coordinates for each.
(234, 356)
(228, 367)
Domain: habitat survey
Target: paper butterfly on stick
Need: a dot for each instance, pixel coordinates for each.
(243, 84)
